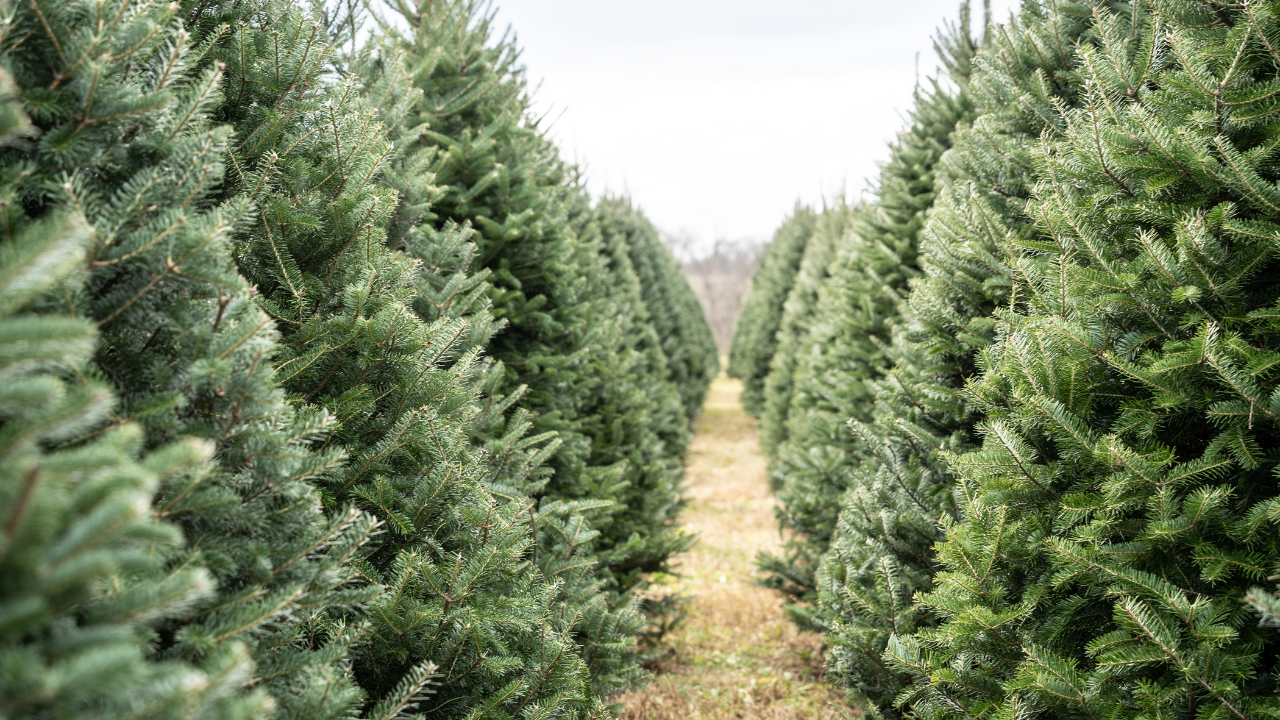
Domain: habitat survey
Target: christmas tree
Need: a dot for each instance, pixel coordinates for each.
(673, 309)
(636, 418)
(882, 553)
(83, 577)
(830, 230)
(449, 285)
(121, 110)
(284, 481)
(755, 333)
(845, 348)
(1119, 513)
(499, 175)
(467, 623)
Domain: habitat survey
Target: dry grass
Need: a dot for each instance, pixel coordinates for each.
(735, 655)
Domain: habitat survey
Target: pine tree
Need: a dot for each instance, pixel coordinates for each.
(755, 332)
(1122, 505)
(882, 553)
(466, 625)
(498, 174)
(638, 422)
(673, 309)
(448, 284)
(121, 106)
(83, 581)
(830, 234)
(845, 348)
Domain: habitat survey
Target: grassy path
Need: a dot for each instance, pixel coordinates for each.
(735, 655)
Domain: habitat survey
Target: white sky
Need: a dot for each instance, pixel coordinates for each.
(717, 115)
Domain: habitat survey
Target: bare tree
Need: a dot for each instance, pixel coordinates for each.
(721, 277)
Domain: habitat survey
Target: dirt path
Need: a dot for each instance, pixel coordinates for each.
(735, 655)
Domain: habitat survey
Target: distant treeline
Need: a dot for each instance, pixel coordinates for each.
(721, 279)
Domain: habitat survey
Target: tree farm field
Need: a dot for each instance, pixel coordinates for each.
(734, 655)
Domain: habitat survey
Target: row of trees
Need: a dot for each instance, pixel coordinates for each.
(328, 391)
(1021, 403)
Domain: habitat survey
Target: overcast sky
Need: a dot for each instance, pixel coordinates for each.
(716, 116)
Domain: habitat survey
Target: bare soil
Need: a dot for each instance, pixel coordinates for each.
(734, 655)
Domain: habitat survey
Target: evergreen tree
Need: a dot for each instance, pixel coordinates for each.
(448, 284)
(882, 552)
(498, 174)
(791, 572)
(672, 307)
(755, 332)
(83, 581)
(466, 624)
(637, 420)
(845, 347)
(119, 94)
(1122, 505)
(829, 237)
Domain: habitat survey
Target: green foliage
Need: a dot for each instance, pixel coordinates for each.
(636, 419)
(121, 108)
(799, 313)
(294, 277)
(448, 285)
(496, 174)
(673, 309)
(466, 624)
(755, 333)
(1121, 508)
(1267, 604)
(574, 350)
(845, 346)
(882, 552)
(82, 566)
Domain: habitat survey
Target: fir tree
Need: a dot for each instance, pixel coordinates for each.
(83, 581)
(466, 625)
(1122, 505)
(121, 104)
(499, 175)
(882, 552)
(496, 174)
(638, 422)
(830, 231)
(755, 332)
(449, 285)
(856, 309)
(673, 309)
